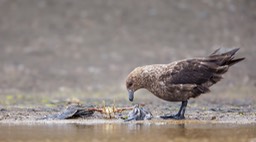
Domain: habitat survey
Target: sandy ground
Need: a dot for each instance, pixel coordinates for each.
(197, 112)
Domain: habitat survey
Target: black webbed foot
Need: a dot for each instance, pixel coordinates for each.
(176, 117)
(179, 115)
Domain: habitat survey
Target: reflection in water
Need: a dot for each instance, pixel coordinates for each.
(127, 132)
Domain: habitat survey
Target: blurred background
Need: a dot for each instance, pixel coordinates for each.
(59, 49)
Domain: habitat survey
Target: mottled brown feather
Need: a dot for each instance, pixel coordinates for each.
(184, 79)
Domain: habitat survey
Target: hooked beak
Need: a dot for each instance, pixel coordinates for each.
(131, 93)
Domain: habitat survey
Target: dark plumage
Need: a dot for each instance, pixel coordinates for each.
(182, 80)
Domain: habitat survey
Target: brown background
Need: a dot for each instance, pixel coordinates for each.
(89, 46)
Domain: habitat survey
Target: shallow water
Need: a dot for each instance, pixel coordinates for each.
(127, 132)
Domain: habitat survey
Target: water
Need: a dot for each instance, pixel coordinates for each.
(127, 132)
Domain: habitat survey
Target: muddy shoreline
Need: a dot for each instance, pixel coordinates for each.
(197, 112)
